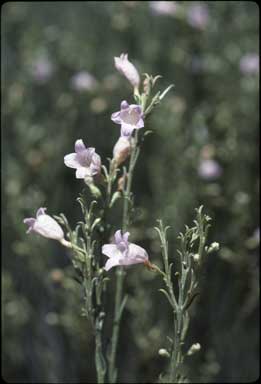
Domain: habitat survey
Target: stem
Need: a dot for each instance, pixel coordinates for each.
(176, 354)
(98, 356)
(96, 318)
(120, 272)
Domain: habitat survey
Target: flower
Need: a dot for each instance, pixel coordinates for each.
(85, 160)
(46, 226)
(209, 169)
(163, 7)
(122, 252)
(127, 69)
(42, 69)
(83, 81)
(130, 117)
(249, 63)
(198, 15)
(121, 149)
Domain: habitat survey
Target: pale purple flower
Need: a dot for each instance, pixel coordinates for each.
(130, 117)
(249, 63)
(122, 252)
(122, 149)
(44, 225)
(85, 160)
(127, 69)
(42, 69)
(168, 8)
(198, 15)
(209, 169)
(83, 81)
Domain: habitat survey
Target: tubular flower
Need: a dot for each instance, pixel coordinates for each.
(46, 226)
(122, 252)
(121, 149)
(127, 69)
(130, 117)
(85, 160)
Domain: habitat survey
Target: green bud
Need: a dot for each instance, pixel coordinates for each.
(163, 352)
(193, 349)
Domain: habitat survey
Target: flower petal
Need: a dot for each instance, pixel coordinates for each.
(118, 236)
(116, 118)
(46, 226)
(30, 222)
(82, 172)
(127, 129)
(124, 104)
(110, 250)
(137, 254)
(95, 164)
(79, 146)
(137, 108)
(71, 161)
(126, 236)
(113, 262)
(40, 211)
(140, 124)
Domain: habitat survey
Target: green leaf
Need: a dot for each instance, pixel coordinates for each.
(167, 296)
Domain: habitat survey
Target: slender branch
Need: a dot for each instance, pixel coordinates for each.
(120, 272)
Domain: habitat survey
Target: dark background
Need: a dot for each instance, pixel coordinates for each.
(59, 84)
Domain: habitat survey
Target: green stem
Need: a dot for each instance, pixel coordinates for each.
(120, 272)
(96, 319)
(176, 354)
(98, 357)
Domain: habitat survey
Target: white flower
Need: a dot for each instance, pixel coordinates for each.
(126, 68)
(130, 117)
(85, 160)
(122, 252)
(45, 225)
(83, 81)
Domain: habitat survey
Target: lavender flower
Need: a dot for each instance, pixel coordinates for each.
(130, 117)
(42, 69)
(209, 169)
(249, 63)
(46, 226)
(198, 16)
(122, 252)
(83, 81)
(85, 160)
(166, 8)
(122, 149)
(127, 69)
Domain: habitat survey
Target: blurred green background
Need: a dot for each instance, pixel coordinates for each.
(59, 84)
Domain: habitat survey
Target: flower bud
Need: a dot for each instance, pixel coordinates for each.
(121, 183)
(45, 226)
(127, 69)
(196, 257)
(193, 349)
(121, 150)
(95, 191)
(163, 352)
(213, 247)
